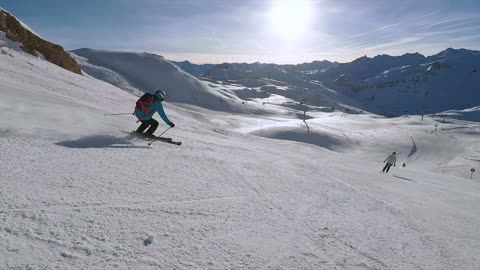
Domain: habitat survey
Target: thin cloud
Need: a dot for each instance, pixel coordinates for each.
(394, 43)
(392, 35)
(451, 31)
(467, 38)
(376, 30)
(395, 24)
(387, 26)
(445, 21)
(348, 47)
(457, 24)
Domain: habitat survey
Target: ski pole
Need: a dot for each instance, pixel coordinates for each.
(150, 143)
(108, 114)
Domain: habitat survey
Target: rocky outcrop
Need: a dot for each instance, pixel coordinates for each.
(34, 45)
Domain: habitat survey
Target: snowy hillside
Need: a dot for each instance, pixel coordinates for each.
(193, 69)
(409, 84)
(239, 71)
(146, 72)
(393, 85)
(226, 71)
(470, 114)
(244, 191)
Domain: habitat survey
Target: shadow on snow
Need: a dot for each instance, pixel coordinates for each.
(99, 141)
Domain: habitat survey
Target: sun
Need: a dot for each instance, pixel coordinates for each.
(290, 19)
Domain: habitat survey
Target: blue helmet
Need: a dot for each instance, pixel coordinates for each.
(160, 94)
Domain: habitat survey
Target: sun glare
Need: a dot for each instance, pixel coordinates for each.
(291, 19)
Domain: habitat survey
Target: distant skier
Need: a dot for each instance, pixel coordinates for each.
(391, 160)
(145, 107)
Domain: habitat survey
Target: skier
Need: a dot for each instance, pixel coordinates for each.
(391, 160)
(146, 106)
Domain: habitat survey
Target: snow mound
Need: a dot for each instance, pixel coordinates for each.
(322, 138)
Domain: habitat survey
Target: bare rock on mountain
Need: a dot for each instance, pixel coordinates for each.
(35, 45)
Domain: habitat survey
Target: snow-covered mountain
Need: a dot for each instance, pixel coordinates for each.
(15, 34)
(193, 69)
(409, 84)
(257, 69)
(226, 71)
(146, 72)
(312, 67)
(392, 85)
(239, 71)
(276, 84)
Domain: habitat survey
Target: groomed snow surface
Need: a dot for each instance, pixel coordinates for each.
(242, 192)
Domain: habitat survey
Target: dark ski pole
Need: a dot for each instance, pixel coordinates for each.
(108, 114)
(150, 143)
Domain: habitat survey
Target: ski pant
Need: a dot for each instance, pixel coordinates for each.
(151, 124)
(387, 167)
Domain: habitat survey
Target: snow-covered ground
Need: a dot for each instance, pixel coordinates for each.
(244, 191)
(470, 114)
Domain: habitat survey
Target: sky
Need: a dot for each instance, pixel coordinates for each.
(272, 31)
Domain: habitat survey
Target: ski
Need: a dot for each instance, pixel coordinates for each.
(166, 140)
(154, 138)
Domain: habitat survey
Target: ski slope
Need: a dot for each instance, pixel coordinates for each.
(244, 191)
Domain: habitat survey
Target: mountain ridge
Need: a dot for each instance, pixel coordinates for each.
(34, 45)
(410, 83)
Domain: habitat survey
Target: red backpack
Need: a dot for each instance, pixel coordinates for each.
(144, 103)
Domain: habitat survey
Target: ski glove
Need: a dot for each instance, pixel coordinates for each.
(171, 124)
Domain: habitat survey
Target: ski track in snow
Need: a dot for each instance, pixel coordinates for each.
(78, 194)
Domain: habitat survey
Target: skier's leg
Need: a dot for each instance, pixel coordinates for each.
(385, 167)
(388, 168)
(143, 126)
(153, 127)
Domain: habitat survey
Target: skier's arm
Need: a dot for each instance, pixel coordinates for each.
(161, 112)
